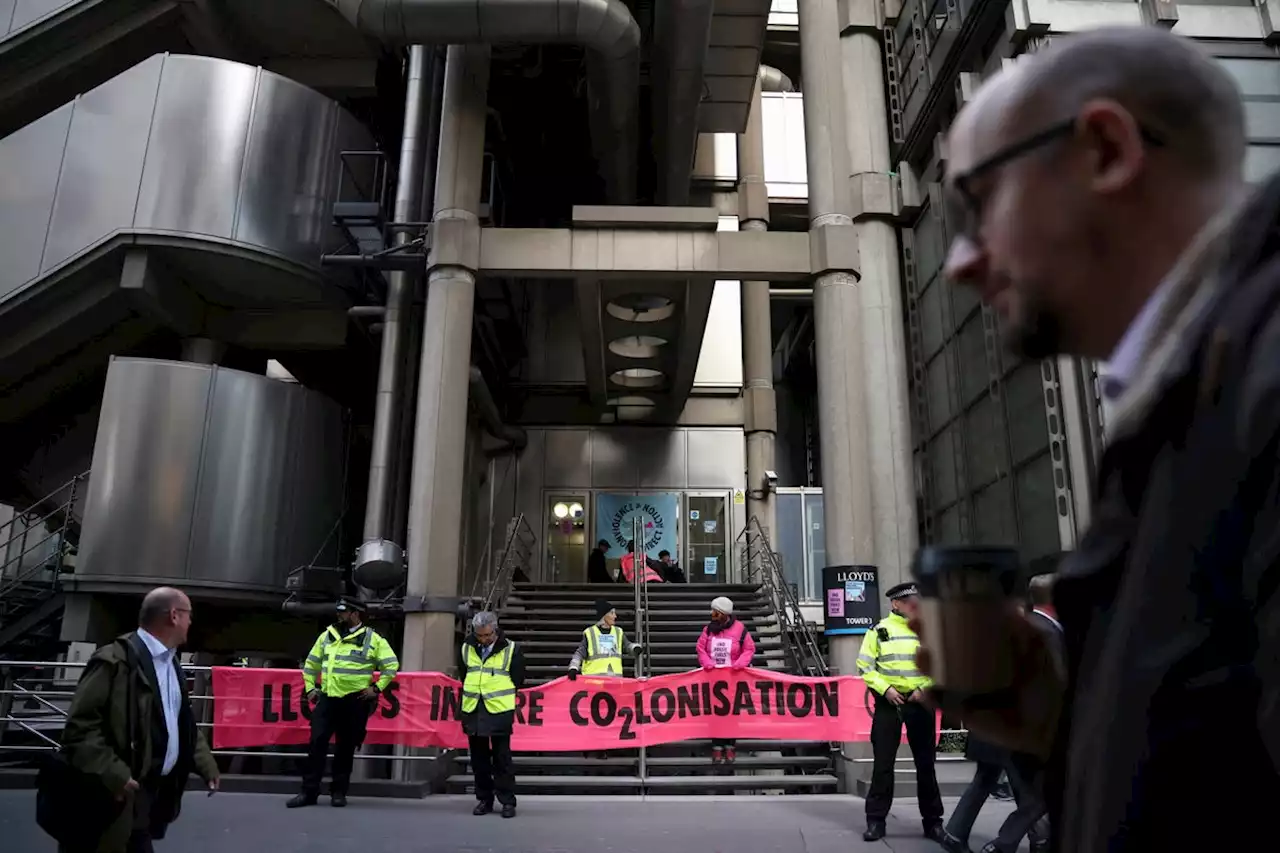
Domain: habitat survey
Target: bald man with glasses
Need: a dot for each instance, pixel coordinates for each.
(1096, 202)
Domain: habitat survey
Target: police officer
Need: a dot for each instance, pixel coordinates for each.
(344, 660)
(887, 664)
(492, 671)
(600, 652)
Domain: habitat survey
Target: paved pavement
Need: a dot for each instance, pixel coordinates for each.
(259, 823)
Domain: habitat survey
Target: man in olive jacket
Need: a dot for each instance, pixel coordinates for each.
(150, 776)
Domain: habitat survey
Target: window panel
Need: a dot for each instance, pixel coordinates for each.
(788, 539)
(985, 441)
(1028, 428)
(931, 329)
(942, 466)
(1038, 509)
(947, 530)
(1254, 76)
(1262, 120)
(938, 382)
(993, 515)
(929, 243)
(973, 361)
(1260, 162)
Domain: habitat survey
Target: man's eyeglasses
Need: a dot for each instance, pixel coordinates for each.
(963, 204)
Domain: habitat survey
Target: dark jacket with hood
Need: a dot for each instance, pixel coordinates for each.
(1169, 606)
(480, 722)
(96, 738)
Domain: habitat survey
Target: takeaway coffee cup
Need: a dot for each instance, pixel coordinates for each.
(964, 592)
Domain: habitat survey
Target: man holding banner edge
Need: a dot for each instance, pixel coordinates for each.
(492, 671)
(602, 646)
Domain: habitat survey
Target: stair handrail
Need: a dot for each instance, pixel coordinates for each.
(640, 589)
(759, 557)
(517, 547)
(65, 513)
(639, 568)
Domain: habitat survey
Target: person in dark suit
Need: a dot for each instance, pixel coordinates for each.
(597, 568)
(142, 754)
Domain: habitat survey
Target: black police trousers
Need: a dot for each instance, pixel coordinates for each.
(343, 719)
(886, 735)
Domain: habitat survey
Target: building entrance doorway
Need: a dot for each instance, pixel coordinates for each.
(659, 514)
(707, 560)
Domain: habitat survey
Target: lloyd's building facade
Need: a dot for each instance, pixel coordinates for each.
(298, 286)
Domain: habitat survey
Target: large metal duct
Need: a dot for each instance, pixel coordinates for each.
(682, 32)
(604, 27)
(773, 80)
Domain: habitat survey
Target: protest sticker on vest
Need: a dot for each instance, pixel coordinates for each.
(608, 645)
(721, 649)
(267, 707)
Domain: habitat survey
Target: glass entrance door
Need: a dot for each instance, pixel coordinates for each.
(707, 555)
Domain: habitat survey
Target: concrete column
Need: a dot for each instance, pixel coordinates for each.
(893, 502)
(435, 507)
(757, 334)
(837, 317)
(395, 320)
(203, 350)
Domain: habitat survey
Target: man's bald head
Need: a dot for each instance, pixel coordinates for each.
(166, 614)
(1077, 177)
(1180, 95)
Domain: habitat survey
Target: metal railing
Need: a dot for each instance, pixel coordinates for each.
(761, 563)
(517, 553)
(34, 547)
(640, 589)
(44, 690)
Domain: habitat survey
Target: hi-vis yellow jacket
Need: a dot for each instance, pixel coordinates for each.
(347, 664)
(891, 662)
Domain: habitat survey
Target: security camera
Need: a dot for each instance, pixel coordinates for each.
(771, 482)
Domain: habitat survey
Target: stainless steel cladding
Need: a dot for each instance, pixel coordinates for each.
(176, 147)
(209, 477)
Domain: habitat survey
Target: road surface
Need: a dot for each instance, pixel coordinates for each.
(259, 823)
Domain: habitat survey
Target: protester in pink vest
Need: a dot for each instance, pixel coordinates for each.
(725, 643)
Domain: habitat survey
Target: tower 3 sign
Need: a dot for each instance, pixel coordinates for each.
(615, 516)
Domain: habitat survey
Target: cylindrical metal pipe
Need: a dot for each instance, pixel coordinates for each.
(757, 330)
(837, 317)
(435, 524)
(404, 435)
(399, 295)
(433, 133)
(886, 402)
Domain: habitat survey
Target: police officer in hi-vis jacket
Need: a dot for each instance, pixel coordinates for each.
(887, 664)
(339, 678)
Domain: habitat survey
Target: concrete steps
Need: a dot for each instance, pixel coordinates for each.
(547, 621)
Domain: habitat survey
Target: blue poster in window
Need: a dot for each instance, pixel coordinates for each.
(710, 565)
(658, 516)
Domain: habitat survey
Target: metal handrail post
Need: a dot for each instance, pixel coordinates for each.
(639, 566)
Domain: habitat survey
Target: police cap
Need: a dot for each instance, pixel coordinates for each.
(902, 590)
(345, 604)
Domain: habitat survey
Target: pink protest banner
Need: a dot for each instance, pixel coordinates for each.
(266, 707)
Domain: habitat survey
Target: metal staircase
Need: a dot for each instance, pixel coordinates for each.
(37, 546)
(547, 621)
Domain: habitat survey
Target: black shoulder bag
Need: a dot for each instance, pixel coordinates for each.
(74, 807)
